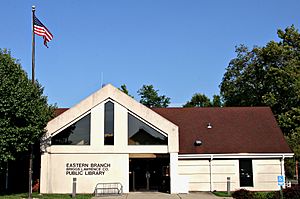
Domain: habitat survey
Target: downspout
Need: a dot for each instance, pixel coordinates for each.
(210, 173)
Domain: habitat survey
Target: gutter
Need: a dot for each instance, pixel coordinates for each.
(235, 156)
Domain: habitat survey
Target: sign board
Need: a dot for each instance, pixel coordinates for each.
(280, 180)
(87, 168)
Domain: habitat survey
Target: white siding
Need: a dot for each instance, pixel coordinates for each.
(197, 171)
(265, 172)
(221, 169)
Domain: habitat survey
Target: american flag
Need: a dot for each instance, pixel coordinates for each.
(41, 30)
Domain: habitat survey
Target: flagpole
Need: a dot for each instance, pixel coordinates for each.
(33, 46)
(33, 81)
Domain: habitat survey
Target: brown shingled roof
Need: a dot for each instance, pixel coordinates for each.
(234, 130)
(59, 111)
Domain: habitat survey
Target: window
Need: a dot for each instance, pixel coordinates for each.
(139, 133)
(76, 134)
(108, 123)
(246, 173)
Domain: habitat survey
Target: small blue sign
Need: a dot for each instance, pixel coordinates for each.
(280, 180)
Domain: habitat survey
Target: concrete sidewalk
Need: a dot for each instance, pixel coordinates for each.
(158, 195)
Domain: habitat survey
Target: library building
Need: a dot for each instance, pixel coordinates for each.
(111, 139)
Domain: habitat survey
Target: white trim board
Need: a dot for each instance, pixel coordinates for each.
(235, 155)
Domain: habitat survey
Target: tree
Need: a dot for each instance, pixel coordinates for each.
(125, 90)
(198, 100)
(150, 97)
(24, 111)
(201, 100)
(290, 122)
(269, 76)
(217, 101)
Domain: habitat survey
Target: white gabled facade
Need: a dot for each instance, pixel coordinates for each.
(57, 160)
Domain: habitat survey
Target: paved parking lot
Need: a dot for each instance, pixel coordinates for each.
(158, 195)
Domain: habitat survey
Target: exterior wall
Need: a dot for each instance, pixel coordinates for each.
(221, 169)
(197, 172)
(265, 172)
(56, 159)
(57, 178)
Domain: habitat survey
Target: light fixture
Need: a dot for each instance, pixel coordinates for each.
(209, 126)
(198, 143)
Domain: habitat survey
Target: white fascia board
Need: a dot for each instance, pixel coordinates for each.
(235, 155)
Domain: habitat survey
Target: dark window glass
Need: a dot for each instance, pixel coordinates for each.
(246, 173)
(140, 133)
(75, 134)
(109, 123)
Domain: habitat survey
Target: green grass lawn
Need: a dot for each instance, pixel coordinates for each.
(221, 193)
(45, 196)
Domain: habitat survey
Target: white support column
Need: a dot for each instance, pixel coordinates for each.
(210, 173)
(173, 173)
(282, 170)
(44, 173)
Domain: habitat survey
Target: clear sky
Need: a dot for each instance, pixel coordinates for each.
(180, 47)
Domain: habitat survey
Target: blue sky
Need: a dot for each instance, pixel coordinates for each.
(180, 47)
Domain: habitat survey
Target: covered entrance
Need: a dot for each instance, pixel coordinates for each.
(149, 173)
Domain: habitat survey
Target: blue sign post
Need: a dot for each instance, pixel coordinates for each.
(280, 180)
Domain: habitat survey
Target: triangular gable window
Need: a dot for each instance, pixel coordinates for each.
(77, 133)
(139, 133)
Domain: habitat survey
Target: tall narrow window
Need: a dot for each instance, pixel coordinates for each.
(139, 133)
(77, 133)
(109, 123)
(246, 173)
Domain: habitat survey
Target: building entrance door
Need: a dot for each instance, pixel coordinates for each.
(149, 174)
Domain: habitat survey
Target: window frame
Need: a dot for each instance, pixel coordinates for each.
(68, 125)
(105, 141)
(150, 126)
(244, 182)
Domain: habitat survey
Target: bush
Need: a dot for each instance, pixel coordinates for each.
(291, 193)
(288, 193)
(243, 194)
(265, 195)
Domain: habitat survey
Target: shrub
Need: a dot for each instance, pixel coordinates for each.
(265, 195)
(291, 193)
(243, 194)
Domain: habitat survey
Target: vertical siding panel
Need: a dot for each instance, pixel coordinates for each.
(265, 172)
(198, 173)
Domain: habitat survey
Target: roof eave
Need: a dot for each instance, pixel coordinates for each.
(236, 156)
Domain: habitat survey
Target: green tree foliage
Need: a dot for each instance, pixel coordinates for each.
(24, 111)
(217, 101)
(269, 76)
(290, 123)
(150, 97)
(124, 89)
(198, 100)
(201, 100)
